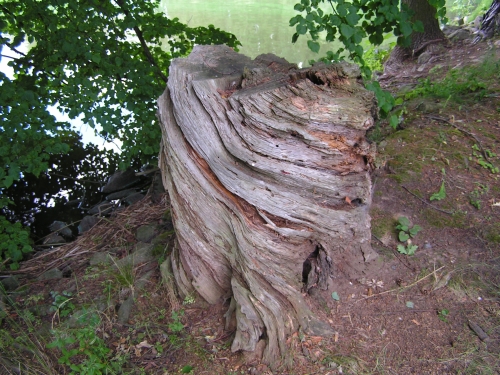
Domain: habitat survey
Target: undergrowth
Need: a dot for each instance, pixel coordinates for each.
(478, 80)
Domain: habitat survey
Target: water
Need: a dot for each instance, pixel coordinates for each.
(262, 26)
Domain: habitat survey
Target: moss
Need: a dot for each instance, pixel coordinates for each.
(382, 222)
(492, 233)
(440, 220)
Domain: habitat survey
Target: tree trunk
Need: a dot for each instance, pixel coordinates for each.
(490, 22)
(267, 168)
(426, 13)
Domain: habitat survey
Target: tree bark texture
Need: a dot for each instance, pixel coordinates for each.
(267, 168)
(426, 13)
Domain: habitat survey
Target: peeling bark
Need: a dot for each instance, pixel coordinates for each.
(267, 168)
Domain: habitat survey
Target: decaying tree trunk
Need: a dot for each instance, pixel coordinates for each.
(267, 168)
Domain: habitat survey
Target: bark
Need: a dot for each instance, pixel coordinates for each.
(426, 13)
(490, 22)
(267, 168)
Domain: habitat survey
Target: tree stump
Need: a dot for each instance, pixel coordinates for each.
(268, 171)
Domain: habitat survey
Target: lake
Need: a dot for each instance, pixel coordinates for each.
(262, 26)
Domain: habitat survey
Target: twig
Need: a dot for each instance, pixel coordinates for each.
(427, 203)
(437, 118)
(399, 288)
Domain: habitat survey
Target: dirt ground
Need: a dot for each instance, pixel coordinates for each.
(434, 312)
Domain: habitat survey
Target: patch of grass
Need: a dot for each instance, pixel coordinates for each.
(439, 220)
(478, 80)
(382, 222)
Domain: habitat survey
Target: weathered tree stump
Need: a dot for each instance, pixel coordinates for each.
(267, 168)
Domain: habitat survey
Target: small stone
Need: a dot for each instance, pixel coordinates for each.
(125, 310)
(10, 283)
(87, 223)
(99, 258)
(146, 233)
(53, 273)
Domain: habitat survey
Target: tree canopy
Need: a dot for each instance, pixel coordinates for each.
(103, 61)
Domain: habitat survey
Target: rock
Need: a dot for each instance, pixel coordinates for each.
(142, 254)
(131, 199)
(146, 233)
(141, 283)
(87, 223)
(10, 283)
(121, 180)
(424, 58)
(125, 310)
(460, 34)
(61, 228)
(448, 29)
(100, 258)
(101, 209)
(53, 273)
(120, 194)
(54, 239)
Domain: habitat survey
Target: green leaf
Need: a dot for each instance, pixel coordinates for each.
(418, 27)
(394, 121)
(346, 30)
(410, 304)
(441, 194)
(404, 221)
(335, 296)
(402, 249)
(413, 231)
(313, 45)
(403, 236)
(186, 369)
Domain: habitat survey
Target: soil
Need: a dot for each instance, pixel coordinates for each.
(411, 314)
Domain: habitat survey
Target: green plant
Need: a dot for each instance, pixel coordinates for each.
(62, 304)
(475, 195)
(176, 325)
(443, 315)
(82, 350)
(478, 80)
(441, 194)
(481, 160)
(405, 232)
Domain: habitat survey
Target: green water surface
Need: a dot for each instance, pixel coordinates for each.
(261, 26)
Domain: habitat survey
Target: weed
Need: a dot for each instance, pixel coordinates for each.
(475, 195)
(478, 80)
(441, 194)
(409, 249)
(176, 326)
(480, 159)
(82, 350)
(443, 315)
(62, 304)
(405, 231)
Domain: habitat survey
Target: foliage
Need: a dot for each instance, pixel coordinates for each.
(102, 62)
(481, 159)
(351, 22)
(376, 57)
(62, 303)
(441, 194)
(479, 80)
(82, 350)
(176, 326)
(14, 243)
(405, 232)
(443, 315)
